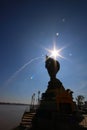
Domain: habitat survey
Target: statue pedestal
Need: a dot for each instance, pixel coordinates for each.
(56, 98)
(55, 102)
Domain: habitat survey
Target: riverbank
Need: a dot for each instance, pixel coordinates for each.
(7, 103)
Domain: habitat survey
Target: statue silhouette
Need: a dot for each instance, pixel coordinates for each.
(52, 66)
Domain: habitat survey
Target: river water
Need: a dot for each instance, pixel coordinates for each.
(10, 116)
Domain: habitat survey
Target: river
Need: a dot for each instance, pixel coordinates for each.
(10, 116)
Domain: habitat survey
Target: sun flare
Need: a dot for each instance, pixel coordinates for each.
(55, 53)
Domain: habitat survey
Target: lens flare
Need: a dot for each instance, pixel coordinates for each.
(55, 53)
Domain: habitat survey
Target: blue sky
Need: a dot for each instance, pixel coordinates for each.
(27, 27)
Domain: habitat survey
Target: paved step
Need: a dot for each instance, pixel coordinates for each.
(27, 119)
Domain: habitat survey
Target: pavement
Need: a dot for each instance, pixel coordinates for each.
(84, 121)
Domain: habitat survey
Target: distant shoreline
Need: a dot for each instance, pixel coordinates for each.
(4, 103)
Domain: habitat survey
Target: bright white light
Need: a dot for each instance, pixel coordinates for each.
(57, 34)
(55, 53)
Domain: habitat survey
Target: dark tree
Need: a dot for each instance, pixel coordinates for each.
(80, 100)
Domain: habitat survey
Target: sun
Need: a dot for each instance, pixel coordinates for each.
(55, 52)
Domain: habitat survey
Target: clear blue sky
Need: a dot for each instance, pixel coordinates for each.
(27, 27)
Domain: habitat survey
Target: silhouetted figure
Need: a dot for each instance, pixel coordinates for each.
(52, 66)
(56, 109)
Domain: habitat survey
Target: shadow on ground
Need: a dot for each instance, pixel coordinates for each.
(59, 123)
